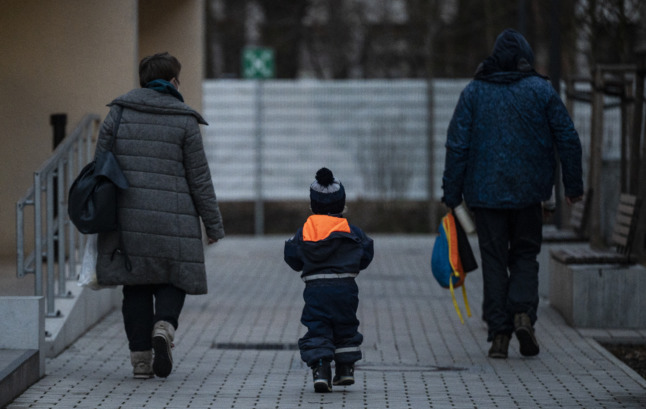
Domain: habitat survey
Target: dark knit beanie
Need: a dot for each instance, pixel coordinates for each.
(327, 195)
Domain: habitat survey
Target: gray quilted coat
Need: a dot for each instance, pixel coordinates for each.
(159, 148)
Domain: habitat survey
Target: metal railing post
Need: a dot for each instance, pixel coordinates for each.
(38, 237)
(49, 239)
(59, 234)
(20, 238)
(71, 235)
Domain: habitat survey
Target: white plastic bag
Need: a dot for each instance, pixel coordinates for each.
(87, 277)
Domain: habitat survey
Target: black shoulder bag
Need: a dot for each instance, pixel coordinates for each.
(92, 199)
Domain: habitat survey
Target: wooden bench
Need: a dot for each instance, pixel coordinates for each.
(576, 230)
(622, 236)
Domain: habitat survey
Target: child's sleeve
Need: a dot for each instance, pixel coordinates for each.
(367, 245)
(291, 254)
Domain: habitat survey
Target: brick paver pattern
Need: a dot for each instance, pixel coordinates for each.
(236, 347)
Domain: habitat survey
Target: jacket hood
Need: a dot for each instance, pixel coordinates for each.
(320, 234)
(511, 60)
(151, 101)
(509, 49)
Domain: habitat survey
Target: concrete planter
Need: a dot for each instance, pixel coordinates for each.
(599, 295)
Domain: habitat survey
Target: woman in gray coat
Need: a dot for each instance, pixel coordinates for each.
(157, 254)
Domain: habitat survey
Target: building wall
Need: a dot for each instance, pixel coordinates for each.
(73, 57)
(176, 26)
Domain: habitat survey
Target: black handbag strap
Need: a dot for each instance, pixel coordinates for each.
(116, 127)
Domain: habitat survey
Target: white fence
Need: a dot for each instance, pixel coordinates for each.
(374, 135)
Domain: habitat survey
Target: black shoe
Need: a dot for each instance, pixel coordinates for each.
(322, 374)
(343, 375)
(499, 346)
(525, 334)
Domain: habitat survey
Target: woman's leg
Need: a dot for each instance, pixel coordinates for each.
(137, 310)
(169, 301)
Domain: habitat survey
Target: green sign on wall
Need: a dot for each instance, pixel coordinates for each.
(258, 63)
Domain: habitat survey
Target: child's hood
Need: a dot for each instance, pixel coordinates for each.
(319, 227)
(321, 234)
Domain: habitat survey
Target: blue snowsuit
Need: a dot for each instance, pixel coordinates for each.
(330, 253)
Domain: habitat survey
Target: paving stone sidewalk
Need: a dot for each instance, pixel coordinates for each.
(235, 347)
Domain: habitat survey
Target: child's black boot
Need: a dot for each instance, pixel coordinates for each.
(344, 375)
(322, 374)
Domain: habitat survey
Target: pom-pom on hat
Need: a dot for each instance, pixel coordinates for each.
(327, 195)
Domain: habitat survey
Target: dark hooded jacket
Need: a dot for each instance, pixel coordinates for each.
(159, 148)
(328, 247)
(502, 138)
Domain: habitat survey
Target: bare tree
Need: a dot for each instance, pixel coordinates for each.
(610, 29)
(339, 39)
(330, 40)
(225, 37)
(282, 30)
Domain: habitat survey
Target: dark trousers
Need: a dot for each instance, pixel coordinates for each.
(509, 240)
(330, 315)
(143, 306)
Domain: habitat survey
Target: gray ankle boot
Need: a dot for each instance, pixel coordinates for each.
(142, 364)
(163, 335)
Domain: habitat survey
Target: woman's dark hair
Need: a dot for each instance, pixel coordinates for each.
(161, 66)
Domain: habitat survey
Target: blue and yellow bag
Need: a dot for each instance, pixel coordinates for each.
(452, 259)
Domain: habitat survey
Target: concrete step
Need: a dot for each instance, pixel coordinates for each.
(78, 313)
(19, 369)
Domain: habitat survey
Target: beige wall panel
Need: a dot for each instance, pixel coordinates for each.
(65, 56)
(176, 26)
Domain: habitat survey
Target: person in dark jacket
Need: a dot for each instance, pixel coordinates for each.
(500, 159)
(158, 253)
(330, 252)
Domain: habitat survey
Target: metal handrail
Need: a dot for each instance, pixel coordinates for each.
(53, 257)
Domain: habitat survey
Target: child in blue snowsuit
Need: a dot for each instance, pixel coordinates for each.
(330, 252)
